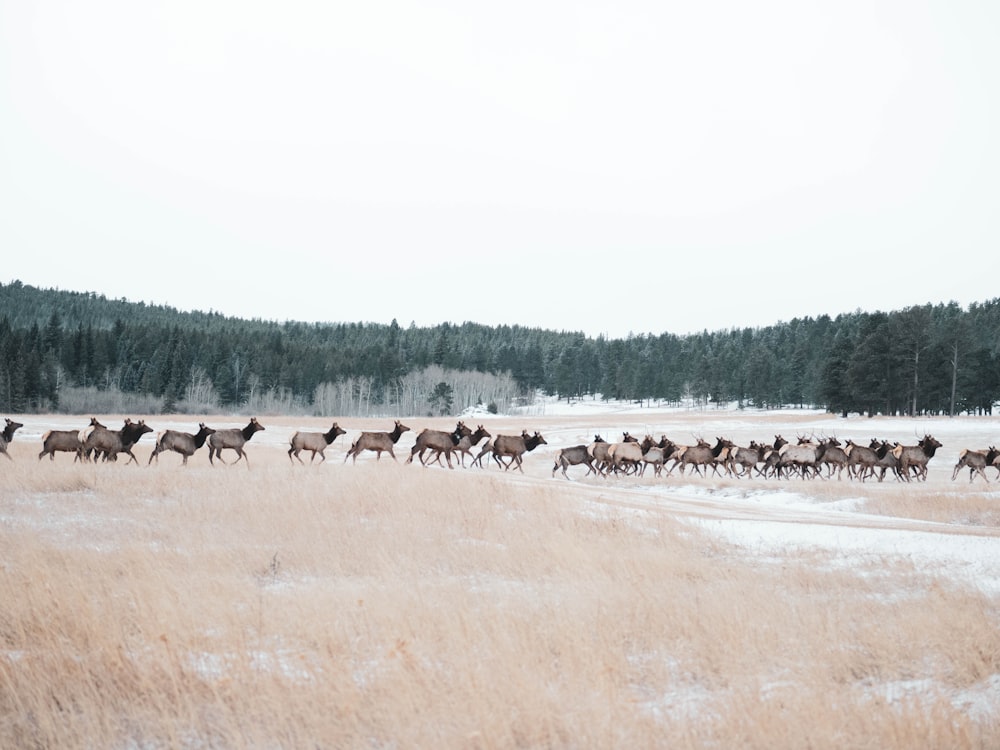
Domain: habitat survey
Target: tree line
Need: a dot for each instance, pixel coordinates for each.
(81, 352)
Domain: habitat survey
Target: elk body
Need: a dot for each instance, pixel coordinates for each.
(599, 451)
(514, 447)
(575, 456)
(315, 442)
(66, 441)
(380, 442)
(701, 455)
(438, 441)
(7, 435)
(977, 461)
(107, 444)
(747, 458)
(468, 442)
(233, 438)
(834, 458)
(861, 460)
(180, 442)
(916, 457)
(802, 457)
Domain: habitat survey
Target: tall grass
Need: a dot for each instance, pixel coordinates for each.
(380, 605)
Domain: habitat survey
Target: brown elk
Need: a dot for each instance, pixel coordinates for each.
(66, 441)
(599, 450)
(655, 454)
(703, 454)
(747, 457)
(916, 457)
(180, 442)
(107, 444)
(977, 461)
(861, 459)
(834, 458)
(380, 442)
(626, 455)
(885, 459)
(465, 445)
(314, 442)
(574, 456)
(439, 442)
(514, 447)
(7, 435)
(233, 438)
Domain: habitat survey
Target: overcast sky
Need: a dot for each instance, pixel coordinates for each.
(604, 167)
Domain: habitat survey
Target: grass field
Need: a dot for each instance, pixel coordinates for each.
(385, 605)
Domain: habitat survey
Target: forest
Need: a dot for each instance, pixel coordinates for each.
(80, 352)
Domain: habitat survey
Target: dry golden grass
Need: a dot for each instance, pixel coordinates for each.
(387, 605)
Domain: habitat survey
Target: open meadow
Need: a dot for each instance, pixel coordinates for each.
(379, 604)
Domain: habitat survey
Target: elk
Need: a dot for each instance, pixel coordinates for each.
(885, 458)
(599, 450)
(574, 456)
(438, 441)
(180, 442)
(7, 435)
(916, 457)
(377, 441)
(803, 456)
(465, 445)
(315, 442)
(67, 441)
(747, 457)
(702, 454)
(233, 438)
(655, 454)
(977, 461)
(834, 457)
(625, 456)
(861, 459)
(109, 443)
(515, 447)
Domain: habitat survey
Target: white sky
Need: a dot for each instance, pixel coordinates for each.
(605, 167)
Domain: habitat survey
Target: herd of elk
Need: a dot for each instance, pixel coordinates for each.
(778, 459)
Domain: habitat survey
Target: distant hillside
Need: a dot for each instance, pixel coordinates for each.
(81, 352)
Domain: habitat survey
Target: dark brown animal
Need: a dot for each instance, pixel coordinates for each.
(233, 438)
(380, 442)
(7, 435)
(916, 457)
(514, 447)
(67, 441)
(107, 444)
(977, 461)
(315, 442)
(439, 442)
(180, 442)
